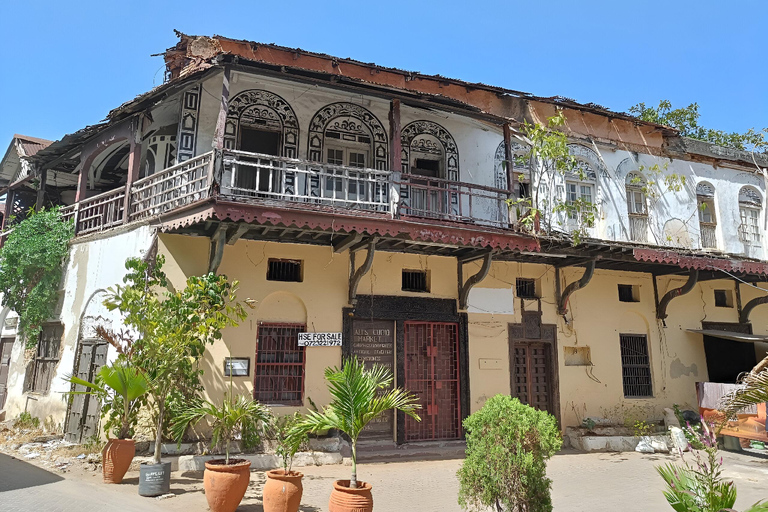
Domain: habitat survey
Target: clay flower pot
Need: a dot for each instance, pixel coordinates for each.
(116, 458)
(225, 484)
(282, 492)
(346, 499)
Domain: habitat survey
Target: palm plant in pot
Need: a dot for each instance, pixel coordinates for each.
(283, 490)
(358, 397)
(120, 388)
(225, 480)
(168, 337)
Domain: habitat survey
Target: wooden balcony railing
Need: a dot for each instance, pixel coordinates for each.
(256, 178)
(441, 199)
(251, 176)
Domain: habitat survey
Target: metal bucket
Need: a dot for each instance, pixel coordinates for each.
(155, 479)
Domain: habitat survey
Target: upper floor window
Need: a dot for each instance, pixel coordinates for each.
(637, 207)
(578, 192)
(705, 199)
(750, 204)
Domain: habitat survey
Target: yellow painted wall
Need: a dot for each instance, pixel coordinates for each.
(595, 318)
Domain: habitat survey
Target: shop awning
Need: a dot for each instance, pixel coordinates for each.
(730, 335)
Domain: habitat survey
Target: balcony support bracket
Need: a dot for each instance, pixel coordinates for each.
(749, 306)
(357, 275)
(465, 288)
(661, 308)
(218, 241)
(586, 277)
(346, 242)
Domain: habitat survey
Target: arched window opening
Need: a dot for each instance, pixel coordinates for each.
(750, 205)
(637, 207)
(705, 201)
(520, 167)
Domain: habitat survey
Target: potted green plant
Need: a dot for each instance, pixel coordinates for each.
(225, 480)
(358, 397)
(283, 489)
(172, 330)
(119, 387)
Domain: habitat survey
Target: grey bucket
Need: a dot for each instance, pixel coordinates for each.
(155, 479)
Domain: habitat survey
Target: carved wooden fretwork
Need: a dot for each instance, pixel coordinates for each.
(588, 162)
(521, 165)
(265, 111)
(413, 140)
(704, 189)
(750, 196)
(188, 120)
(347, 119)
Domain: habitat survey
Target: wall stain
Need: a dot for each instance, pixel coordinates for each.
(677, 369)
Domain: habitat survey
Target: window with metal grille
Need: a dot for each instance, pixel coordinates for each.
(42, 368)
(525, 288)
(635, 366)
(415, 281)
(628, 293)
(284, 270)
(279, 369)
(723, 299)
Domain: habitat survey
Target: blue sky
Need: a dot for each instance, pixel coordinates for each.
(67, 63)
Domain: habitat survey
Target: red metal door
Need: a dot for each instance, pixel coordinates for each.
(432, 374)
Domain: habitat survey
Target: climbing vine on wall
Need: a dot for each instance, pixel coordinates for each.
(31, 267)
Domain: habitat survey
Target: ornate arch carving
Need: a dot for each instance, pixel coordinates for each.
(413, 129)
(322, 119)
(262, 108)
(750, 196)
(705, 189)
(499, 173)
(588, 161)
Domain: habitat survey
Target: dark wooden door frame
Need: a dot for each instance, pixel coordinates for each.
(400, 310)
(548, 336)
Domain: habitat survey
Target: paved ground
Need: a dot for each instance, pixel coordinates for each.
(582, 482)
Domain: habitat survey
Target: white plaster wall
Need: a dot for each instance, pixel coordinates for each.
(477, 142)
(92, 265)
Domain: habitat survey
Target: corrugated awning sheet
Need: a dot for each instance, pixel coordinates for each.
(728, 335)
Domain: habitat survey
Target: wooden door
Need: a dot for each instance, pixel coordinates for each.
(532, 375)
(432, 374)
(83, 419)
(6, 346)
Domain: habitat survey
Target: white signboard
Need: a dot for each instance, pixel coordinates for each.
(319, 339)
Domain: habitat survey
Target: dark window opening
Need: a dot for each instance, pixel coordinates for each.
(279, 367)
(526, 288)
(251, 177)
(723, 299)
(260, 141)
(284, 270)
(415, 281)
(635, 366)
(42, 368)
(523, 189)
(427, 167)
(628, 293)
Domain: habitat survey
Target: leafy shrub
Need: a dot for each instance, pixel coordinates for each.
(508, 445)
(26, 421)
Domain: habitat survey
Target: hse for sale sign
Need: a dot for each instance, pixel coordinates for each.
(319, 339)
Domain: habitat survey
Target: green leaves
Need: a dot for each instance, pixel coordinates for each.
(508, 444)
(686, 121)
(31, 267)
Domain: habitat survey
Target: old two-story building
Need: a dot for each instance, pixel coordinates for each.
(373, 202)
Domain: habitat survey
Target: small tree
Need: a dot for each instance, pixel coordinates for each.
(31, 267)
(358, 400)
(508, 445)
(548, 158)
(289, 437)
(170, 330)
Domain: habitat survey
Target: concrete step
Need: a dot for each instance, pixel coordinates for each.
(387, 451)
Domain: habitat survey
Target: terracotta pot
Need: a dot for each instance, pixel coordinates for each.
(345, 499)
(116, 458)
(282, 492)
(225, 485)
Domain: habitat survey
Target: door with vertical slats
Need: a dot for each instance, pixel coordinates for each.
(532, 379)
(6, 345)
(432, 374)
(84, 412)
